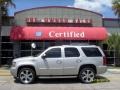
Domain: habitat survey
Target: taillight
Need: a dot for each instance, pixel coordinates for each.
(104, 60)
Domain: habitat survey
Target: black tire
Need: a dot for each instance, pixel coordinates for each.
(86, 75)
(26, 75)
(15, 78)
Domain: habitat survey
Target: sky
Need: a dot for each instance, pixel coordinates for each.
(101, 6)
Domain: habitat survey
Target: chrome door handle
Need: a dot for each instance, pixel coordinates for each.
(58, 62)
(78, 61)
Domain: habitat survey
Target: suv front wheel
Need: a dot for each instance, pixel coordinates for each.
(26, 75)
(87, 75)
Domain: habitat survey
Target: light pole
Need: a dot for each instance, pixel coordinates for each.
(33, 46)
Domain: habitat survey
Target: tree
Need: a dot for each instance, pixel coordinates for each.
(3, 11)
(116, 7)
(114, 40)
(113, 43)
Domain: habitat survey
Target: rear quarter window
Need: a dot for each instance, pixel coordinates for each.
(91, 52)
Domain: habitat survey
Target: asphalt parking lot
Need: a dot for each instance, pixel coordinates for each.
(107, 81)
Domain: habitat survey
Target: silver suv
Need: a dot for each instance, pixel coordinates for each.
(76, 61)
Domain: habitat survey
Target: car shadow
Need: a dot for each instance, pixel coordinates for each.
(54, 81)
(98, 79)
(58, 81)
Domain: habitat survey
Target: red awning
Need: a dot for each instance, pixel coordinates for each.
(58, 33)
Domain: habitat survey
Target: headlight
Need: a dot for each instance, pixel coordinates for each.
(13, 64)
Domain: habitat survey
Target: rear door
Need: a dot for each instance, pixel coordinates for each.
(71, 59)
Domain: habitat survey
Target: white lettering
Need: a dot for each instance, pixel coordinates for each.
(68, 33)
(77, 35)
(51, 34)
(61, 34)
(82, 35)
(58, 20)
(71, 34)
(64, 34)
(58, 35)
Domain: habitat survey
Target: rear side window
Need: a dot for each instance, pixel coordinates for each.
(71, 52)
(91, 52)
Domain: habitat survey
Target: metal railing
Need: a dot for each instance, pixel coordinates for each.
(111, 57)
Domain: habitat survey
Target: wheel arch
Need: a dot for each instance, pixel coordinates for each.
(26, 66)
(88, 66)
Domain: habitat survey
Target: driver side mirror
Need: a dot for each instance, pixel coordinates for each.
(43, 56)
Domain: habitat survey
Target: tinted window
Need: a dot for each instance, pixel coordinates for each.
(91, 52)
(71, 52)
(53, 53)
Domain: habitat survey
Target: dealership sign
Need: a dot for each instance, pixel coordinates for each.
(58, 33)
(53, 34)
(71, 34)
(58, 20)
(38, 34)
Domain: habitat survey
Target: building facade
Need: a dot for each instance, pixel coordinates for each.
(113, 26)
(31, 31)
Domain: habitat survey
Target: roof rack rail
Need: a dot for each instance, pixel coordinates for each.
(79, 44)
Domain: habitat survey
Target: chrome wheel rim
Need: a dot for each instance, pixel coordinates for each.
(26, 76)
(87, 76)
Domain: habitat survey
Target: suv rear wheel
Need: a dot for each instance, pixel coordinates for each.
(87, 75)
(26, 75)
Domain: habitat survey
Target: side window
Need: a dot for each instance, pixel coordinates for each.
(91, 52)
(53, 53)
(71, 52)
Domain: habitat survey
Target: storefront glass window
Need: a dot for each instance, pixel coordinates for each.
(49, 43)
(7, 46)
(5, 39)
(6, 50)
(39, 46)
(25, 53)
(7, 53)
(26, 46)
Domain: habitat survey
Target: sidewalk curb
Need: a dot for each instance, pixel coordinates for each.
(5, 72)
(116, 71)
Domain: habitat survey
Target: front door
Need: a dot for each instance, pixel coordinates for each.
(53, 62)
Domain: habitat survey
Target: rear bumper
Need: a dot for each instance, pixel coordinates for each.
(101, 69)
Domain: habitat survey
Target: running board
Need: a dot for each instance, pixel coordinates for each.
(57, 76)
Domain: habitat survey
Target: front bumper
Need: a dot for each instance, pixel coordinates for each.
(101, 69)
(13, 71)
